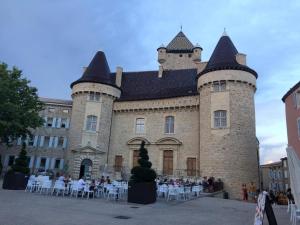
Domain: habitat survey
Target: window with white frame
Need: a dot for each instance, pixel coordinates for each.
(91, 123)
(57, 163)
(140, 126)
(219, 85)
(64, 123)
(49, 122)
(60, 142)
(30, 141)
(169, 125)
(65, 111)
(94, 96)
(220, 119)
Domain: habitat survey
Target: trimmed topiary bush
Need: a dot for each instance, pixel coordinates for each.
(21, 164)
(143, 172)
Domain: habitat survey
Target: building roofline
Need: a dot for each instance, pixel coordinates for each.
(290, 91)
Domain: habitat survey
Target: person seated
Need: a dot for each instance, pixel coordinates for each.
(102, 180)
(81, 183)
(108, 181)
(92, 185)
(61, 178)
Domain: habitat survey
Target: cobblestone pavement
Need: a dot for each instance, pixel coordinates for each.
(20, 208)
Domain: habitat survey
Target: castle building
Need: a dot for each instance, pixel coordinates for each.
(197, 118)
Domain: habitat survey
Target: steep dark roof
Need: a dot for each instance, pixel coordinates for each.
(97, 72)
(147, 85)
(224, 58)
(294, 88)
(180, 43)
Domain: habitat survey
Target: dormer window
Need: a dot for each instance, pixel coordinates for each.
(94, 96)
(219, 86)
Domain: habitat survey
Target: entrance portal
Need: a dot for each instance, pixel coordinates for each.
(86, 168)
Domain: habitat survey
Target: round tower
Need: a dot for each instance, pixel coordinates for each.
(93, 96)
(228, 144)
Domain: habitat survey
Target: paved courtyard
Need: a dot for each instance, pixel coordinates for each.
(20, 208)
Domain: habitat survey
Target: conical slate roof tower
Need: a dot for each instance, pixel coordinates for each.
(97, 72)
(224, 57)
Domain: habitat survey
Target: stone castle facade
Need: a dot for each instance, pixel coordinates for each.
(197, 118)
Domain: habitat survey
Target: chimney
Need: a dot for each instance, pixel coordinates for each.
(241, 58)
(160, 71)
(119, 71)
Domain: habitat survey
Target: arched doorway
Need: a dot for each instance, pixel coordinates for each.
(86, 168)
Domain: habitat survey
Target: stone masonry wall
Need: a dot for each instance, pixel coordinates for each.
(230, 154)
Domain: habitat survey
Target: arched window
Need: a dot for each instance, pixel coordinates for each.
(220, 119)
(140, 126)
(169, 125)
(91, 123)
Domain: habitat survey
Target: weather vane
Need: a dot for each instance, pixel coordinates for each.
(180, 27)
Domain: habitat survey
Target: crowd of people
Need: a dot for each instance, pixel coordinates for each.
(251, 193)
(209, 184)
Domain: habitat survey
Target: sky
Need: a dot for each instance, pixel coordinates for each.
(52, 40)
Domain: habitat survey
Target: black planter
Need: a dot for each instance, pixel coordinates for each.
(14, 181)
(142, 193)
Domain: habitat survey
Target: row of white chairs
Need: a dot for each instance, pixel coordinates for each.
(117, 190)
(178, 192)
(295, 212)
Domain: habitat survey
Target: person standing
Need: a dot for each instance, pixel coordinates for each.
(252, 190)
(244, 192)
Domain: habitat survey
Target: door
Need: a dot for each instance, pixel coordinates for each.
(191, 166)
(135, 158)
(118, 163)
(86, 168)
(168, 162)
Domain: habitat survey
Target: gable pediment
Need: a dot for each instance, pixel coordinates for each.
(138, 141)
(88, 150)
(168, 141)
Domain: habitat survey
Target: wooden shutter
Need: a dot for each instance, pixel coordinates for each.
(118, 163)
(168, 162)
(191, 166)
(42, 141)
(58, 123)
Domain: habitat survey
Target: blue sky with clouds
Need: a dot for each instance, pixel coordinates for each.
(52, 40)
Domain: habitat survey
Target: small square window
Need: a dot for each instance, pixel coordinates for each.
(219, 86)
(65, 111)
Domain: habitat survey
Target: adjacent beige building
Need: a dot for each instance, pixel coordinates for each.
(197, 118)
(275, 176)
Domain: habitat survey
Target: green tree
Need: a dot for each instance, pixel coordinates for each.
(21, 163)
(143, 172)
(19, 105)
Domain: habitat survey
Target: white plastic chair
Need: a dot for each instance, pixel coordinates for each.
(196, 190)
(87, 191)
(295, 214)
(187, 192)
(181, 193)
(172, 193)
(111, 192)
(162, 190)
(30, 186)
(59, 187)
(46, 186)
(75, 188)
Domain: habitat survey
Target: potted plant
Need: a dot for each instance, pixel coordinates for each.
(16, 178)
(142, 185)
